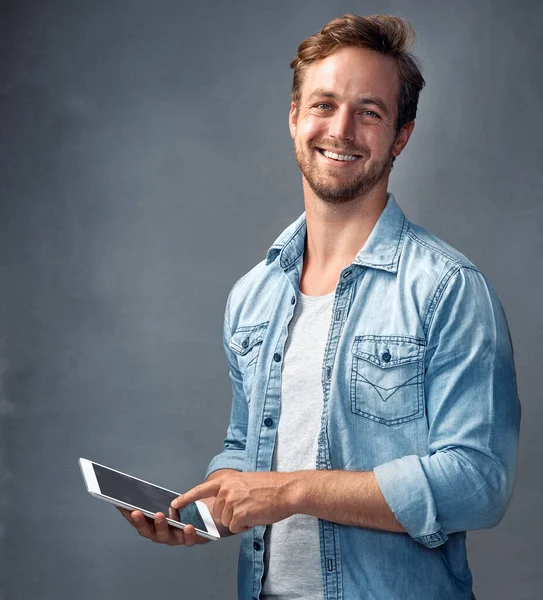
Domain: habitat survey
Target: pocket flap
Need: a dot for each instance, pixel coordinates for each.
(388, 351)
(247, 337)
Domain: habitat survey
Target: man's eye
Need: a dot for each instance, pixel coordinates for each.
(370, 113)
(323, 105)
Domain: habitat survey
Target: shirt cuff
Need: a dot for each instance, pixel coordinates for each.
(408, 494)
(229, 459)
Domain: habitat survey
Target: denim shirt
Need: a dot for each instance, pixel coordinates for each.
(419, 387)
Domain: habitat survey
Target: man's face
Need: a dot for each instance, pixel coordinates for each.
(344, 128)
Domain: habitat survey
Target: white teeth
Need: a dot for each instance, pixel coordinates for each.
(335, 156)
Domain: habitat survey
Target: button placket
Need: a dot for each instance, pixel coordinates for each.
(329, 532)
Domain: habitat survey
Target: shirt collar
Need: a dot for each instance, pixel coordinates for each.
(381, 251)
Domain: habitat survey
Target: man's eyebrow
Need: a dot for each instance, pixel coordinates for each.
(374, 100)
(322, 93)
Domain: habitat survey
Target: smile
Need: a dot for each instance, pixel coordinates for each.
(339, 157)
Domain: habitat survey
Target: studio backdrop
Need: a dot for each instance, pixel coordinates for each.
(145, 165)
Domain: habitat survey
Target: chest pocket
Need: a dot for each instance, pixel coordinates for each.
(246, 343)
(387, 378)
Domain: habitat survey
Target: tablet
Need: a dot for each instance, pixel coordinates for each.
(135, 494)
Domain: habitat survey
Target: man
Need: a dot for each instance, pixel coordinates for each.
(375, 413)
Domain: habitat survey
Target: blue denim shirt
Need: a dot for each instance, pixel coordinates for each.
(419, 386)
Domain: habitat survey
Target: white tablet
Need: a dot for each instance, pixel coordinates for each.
(135, 494)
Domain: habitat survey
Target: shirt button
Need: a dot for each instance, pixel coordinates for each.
(256, 546)
(293, 300)
(245, 343)
(386, 356)
(268, 422)
(276, 357)
(346, 274)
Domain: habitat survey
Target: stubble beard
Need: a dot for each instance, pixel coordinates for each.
(343, 189)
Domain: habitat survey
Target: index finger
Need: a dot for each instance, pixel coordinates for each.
(204, 490)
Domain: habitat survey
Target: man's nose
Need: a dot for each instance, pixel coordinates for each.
(342, 125)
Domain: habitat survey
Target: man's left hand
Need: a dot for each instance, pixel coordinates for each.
(244, 500)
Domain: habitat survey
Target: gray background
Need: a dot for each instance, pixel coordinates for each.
(146, 165)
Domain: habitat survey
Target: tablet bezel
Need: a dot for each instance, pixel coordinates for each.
(93, 487)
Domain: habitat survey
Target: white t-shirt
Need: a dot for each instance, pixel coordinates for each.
(292, 558)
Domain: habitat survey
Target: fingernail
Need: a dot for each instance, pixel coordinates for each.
(174, 504)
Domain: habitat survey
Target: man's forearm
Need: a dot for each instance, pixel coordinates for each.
(346, 497)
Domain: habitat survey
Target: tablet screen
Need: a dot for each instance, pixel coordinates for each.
(146, 496)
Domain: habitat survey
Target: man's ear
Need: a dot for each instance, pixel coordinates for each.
(292, 119)
(403, 137)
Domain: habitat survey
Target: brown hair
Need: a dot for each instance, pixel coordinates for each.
(384, 34)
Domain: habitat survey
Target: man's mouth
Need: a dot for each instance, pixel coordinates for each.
(338, 157)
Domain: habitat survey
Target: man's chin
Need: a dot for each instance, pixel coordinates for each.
(336, 195)
(338, 190)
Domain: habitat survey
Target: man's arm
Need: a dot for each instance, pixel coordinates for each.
(466, 480)
(346, 497)
(233, 454)
(243, 500)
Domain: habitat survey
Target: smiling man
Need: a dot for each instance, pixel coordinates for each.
(375, 414)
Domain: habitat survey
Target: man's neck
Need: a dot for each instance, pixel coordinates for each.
(336, 233)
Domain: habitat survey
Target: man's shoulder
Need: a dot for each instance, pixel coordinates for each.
(253, 277)
(256, 280)
(426, 244)
(433, 266)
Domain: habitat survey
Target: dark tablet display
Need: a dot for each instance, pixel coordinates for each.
(144, 495)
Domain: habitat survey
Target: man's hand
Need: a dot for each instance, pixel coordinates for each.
(243, 500)
(157, 530)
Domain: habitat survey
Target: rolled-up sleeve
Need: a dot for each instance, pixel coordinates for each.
(466, 479)
(233, 454)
